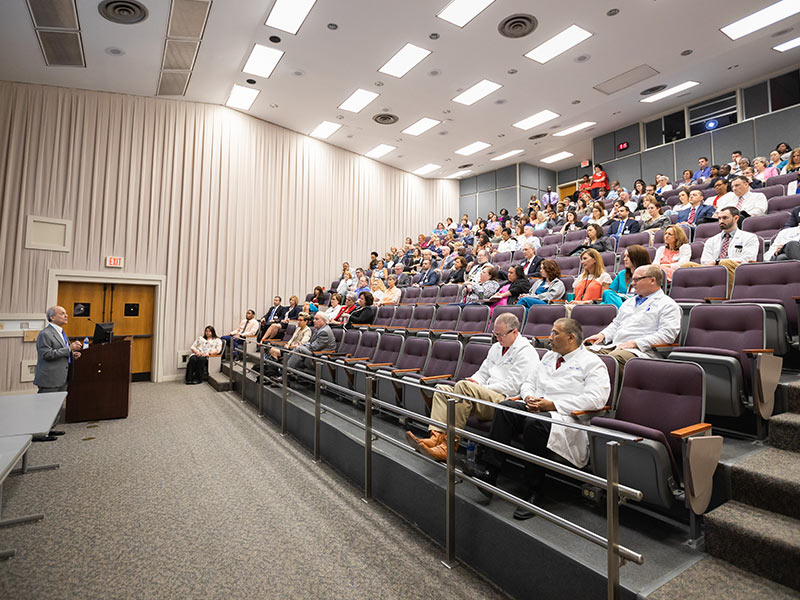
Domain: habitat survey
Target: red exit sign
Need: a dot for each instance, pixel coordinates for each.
(115, 262)
(622, 146)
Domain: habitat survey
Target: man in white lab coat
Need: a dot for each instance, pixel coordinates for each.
(569, 378)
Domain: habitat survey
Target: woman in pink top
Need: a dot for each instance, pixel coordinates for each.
(675, 252)
(763, 169)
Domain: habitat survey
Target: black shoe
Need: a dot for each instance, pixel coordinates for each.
(522, 514)
(56, 432)
(488, 476)
(45, 438)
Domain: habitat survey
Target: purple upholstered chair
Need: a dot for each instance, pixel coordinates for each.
(428, 294)
(422, 318)
(448, 294)
(441, 365)
(540, 321)
(783, 203)
(593, 317)
(410, 296)
(412, 359)
(781, 179)
(367, 346)
(386, 353)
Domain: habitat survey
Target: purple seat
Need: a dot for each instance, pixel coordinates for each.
(631, 239)
(448, 294)
(553, 238)
(501, 259)
(383, 318)
(334, 284)
(574, 236)
(446, 319)
(346, 347)
(474, 320)
(568, 281)
(772, 191)
(782, 203)
(540, 320)
(568, 247)
(612, 366)
(609, 262)
(782, 179)
(593, 317)
(445, 273)
(569, 265)
(422, 318)
(517, 311)
(309, 297)
(412, 358)
(547, 251)
(401, 318)
(540, 233)
(705, 231)
(367, 345)
(709, 193)
(695, 285)
(697, 250)
(652, 252)
(765, 226)
(416, 278)
(656, 398)
(428, 295)
(441, 365)
(386, 353)
(410, 295)
(518, 257)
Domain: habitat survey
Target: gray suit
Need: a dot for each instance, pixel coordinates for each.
(53, 365)
(321, 339)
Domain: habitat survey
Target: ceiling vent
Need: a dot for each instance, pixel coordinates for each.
(187, 23)
(652, 90)
(537, 136)
(180, 55)
(188, 18)
(465, 166)
(53, 14)
(626, 79)
(385, 119)
(173, 83)
(58, 32)
(517, 26)
(61, 48)
(122, 12)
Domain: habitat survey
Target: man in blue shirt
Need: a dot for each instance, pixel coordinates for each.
(704, 172)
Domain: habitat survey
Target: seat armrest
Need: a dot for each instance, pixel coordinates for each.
(712, 299)
(326, 352)
(515, 399)
(353, 358)
(376, 365)
(472, 332)
(558, 301)
(758, 350)
(541, 337)
(664, 349)
(405, 370)
(691, 430)
(579, 413)
(665, 345)
(433, 377)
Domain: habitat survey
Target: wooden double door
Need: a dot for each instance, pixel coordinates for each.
(130, 307)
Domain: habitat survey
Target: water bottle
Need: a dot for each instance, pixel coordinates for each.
(86, 342)
(471, 460)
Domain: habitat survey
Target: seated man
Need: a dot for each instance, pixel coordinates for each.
(786, 245)
(743, 199)
(274, 315)
(403, 278)
(648, 318)
(697, 211)
(794, 218)
(624, 223)
(321, 340)
(474, 273)
(532, 264)
(429, 275)
(703, 172)
(568, 378)
(500, 376)
(247, 328)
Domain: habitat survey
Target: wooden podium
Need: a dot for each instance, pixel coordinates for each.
(101, 382)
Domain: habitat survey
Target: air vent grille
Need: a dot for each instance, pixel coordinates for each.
(53, 14)
(61, 48)
(188, 18)
(180, 55)
(58, 31)
(122, 12)
(626, 79)
(517, 26)
(187, 23)
(173, 83)
(385, 119)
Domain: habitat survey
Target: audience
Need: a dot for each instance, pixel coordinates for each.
(365, 312)
(624, 223)
(531, 263)
(620, 289)
(248, 327)
(695, 212)
(599, 181)
(274, 315)
(654, 217)
(392, 294)
(344, 311)
(786, 245)
(551, 288)
(459, 271)
(596, 240)
(675, 253)
(276, 329)
(747, 202)
(510, 292)
(485, 288)
(204, 346)
(320, 340)
(593, 280)
(703, 172)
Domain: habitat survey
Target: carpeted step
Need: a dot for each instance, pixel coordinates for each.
(784, 431)
(791, 391)
(769, 480)
(219, 381)
(759, 541)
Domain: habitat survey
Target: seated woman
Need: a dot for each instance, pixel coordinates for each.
(487, 286)
(686, 178)
(793, 163)
(340, 318)
(377, 288)
(552, 288)
(683, 203)
(300, 336)
(675, 252)
(510, 292)
(380, 270)
(276, 329)
(599, 216)
(662, 184)
(721, 187)
(620, 289)
(593, 280)
(334, 306)
(365, 312)
(392, 293)
(541, 222)
(639, 191)
(345, 283)
(776, 161)
(654, 217)
(414, 262)
(422, 242)
(440, 229)
(763, 169)
(573, 223)
(458, 272)
(206, 345)
(595, 240)
(317, 298)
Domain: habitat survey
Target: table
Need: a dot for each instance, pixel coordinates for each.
(30, 414)
(12, 448)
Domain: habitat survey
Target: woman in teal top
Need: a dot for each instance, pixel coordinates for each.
(620, 289)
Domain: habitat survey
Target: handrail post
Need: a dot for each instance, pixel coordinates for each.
(317, 378)
(244, 369)
(612, 517)
(368, 381)
(230, 362)
(450, 490)
(260, 379)
(284, 392)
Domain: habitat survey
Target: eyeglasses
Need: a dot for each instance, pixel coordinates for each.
(502, 335)
(635, 279)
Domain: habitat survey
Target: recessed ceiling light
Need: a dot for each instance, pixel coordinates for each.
(274, 39)
(358, 100)
(273, 105)
(408, 57)
(508, 155)
(574, 128)
(262, 61)
(569, 38)
(556, 157)
(242, 97)
(613, 12)
(670, 91)
(461, 12)
(429, 168)
(787, 45)
(687, 52)
(459, 174)
(472, 148)
(480, 90)
(512, 71)
(763, 18)
(325, 130)
(434, 36)
(114, 51)
(288, 15)
(380, 150)
(541, 117)
(333, 26)
(421, 126)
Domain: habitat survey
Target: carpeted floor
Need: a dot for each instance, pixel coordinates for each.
(193, 496)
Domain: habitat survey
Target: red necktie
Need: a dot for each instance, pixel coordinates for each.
(726, 240)
(691, 214)
(559, 362)
(739, 203)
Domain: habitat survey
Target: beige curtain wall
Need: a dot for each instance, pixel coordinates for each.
(228, 208)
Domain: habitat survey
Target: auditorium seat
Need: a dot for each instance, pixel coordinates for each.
(514, 309)
(569, 265)
(401, 318)
(765, 226)
(553, 238)
(367, 345)
(445, 319)
(548, 251)
(540, 321)
(574, 236)
(386, 354)
(691, 287)
(705, 231)
(781, 179)
(474, 320)
(421, 319)
(383, 318)
(593, 317)
(441, 364)
(783, 203)
(568, 247)
(609, 262)
(502, 260)
(347, 346)
(772, 191)
(410, 296)
(448, 294)
(631, 239)
(658, 236)
(412, 358)
(428, 294)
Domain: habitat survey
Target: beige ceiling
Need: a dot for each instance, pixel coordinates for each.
(322, 67)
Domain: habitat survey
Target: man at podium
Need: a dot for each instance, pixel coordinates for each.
(54, 354)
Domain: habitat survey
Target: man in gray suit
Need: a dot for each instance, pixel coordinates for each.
(54, 357)
(321, 339)
(403, 279)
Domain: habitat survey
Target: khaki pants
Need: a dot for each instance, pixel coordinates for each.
(725, 262)
(464, 408)
(621, 356)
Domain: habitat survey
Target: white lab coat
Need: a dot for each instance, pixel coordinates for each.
(743, 247)
(506, 373)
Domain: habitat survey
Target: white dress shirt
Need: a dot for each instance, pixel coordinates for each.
(535, 240)
(791, 234)
(743, 247)
(60, 331)
(657, 320)
(580, 383)
(509, 245)
(246, 328)
(754, 203)
(505, 373)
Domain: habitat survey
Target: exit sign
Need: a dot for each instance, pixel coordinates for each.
(115, 262)
(622, 146)
(584, 164)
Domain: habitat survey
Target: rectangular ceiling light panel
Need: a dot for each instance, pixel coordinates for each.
(187, 19)
(557, 157)
(574, 128)
(262, 61)
(421, 126)
(61, 48)
(459, 174)
(472, 148)
(670, 91)
(288, 15)
(461, 12)
(508, 155)
(380, 150)
(408, 57)
(179, 55)
(54, 14)
(325, 130)
(534, 120)
(358, 100)
(569, 38)
(480, 90)
(429, 168)
(763, 18)
(785, 46)
(242, 97)
(626, 79)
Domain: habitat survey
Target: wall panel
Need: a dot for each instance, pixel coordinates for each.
(734, 137)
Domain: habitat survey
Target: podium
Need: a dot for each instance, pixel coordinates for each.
(100, 387)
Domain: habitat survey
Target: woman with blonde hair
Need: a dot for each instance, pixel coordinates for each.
(277, 329)
(391, 295)
(675, 252)
(593, 280)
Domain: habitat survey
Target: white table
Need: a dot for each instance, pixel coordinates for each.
(12, 448)
(30, 414)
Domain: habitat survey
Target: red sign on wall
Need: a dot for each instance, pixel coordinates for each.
(115, 262)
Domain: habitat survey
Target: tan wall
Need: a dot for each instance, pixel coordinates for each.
(227, 208)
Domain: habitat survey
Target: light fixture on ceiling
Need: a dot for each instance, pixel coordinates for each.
(534, 120)
(288, 15)
(242, 97)
(358, 100)
(333, 26)
(421, 126)
(574, 128)
(507, 155)
(472, 148)
(114, 51)
(380, 150)
(408, 57)
(480, 90)
(325, 130)
(461, 12)
(429, 168)
(557, 157)
(274, 39)
(569, 38)
(670, 91)
(787, 45)
(459, 174)
(763, 18)
(262, 61)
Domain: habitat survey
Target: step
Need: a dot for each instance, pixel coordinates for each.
(789, 388)
(784, 431)
(219, 381)
(769, 480)
(756, 540)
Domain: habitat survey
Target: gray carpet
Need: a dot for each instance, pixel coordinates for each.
(192, 496)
